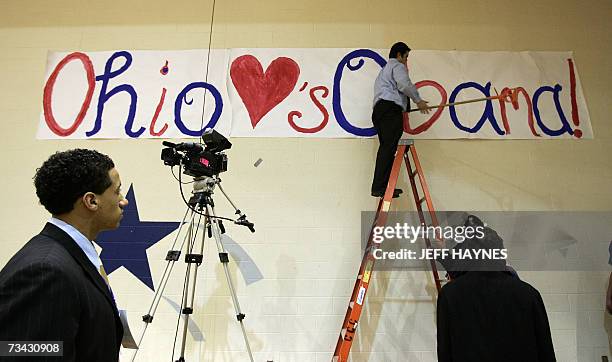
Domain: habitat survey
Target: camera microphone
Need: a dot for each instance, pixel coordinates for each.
(185, 146)
(189, 146)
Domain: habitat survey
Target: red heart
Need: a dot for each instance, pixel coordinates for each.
(260, 92)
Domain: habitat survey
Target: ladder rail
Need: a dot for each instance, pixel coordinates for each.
(353, 313)
(423, 182)
(417, 200)
(357, 301)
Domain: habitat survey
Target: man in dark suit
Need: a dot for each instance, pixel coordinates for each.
(55, 287)
(487, 314)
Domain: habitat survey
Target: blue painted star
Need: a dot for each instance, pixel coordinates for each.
(127, 246)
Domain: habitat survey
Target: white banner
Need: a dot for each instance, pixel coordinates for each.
(307, 93)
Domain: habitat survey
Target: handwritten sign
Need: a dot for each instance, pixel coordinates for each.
(306, 93)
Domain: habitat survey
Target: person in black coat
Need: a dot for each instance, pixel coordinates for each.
(487, 314)
(55, 287)
(609, 293)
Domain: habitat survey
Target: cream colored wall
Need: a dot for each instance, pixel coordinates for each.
(307, 195)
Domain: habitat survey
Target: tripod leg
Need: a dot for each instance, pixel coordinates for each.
(148, 318)
(193, 261)
(169, 266)
(223, 256)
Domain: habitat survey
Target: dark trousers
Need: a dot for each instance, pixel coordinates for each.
(389, 122)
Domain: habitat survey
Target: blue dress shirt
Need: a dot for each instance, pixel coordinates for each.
(393, 84)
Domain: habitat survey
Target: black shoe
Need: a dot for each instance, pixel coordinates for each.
(381, 193)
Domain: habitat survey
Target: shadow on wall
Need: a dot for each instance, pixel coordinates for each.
(413, 325)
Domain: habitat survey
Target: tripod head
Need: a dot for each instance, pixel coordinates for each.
(203, 190)
(205, 185)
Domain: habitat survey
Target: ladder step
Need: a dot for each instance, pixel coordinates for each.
(421, 200)
(351, 304)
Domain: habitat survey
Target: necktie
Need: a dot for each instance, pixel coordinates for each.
(103, 274)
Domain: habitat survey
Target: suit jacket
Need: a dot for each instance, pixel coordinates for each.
(492, 316)
(50, 291)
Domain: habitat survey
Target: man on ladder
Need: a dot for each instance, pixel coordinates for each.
(391, 88)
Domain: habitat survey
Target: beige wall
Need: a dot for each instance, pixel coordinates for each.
(307, 195)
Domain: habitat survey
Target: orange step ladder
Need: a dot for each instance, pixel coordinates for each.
(405, 149)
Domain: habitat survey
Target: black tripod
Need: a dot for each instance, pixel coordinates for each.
(200, 205)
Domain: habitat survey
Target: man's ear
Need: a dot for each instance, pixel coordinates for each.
(90, 201)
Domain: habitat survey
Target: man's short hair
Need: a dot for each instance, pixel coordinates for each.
(398, 47)
(68, 175)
